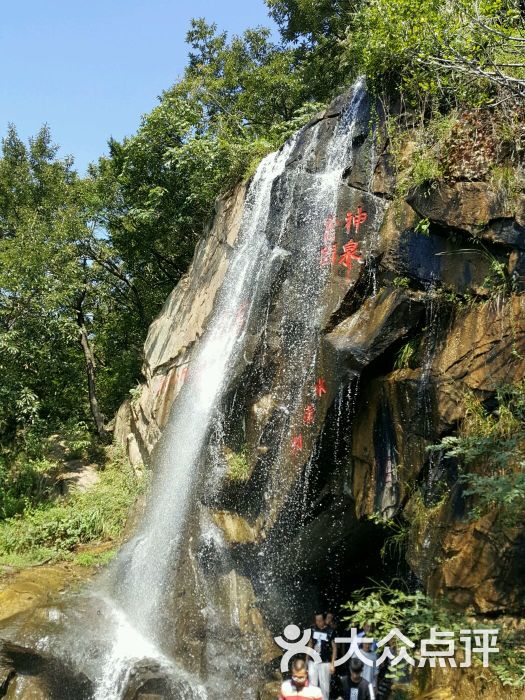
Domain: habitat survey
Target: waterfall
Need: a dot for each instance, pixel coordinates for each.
(142, 573)
(293, 194)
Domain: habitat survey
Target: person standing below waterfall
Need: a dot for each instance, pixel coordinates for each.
(371, 672)
(298, 685)
(323, 641)
(358, 688)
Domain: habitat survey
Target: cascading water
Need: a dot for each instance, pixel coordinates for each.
(142, 574)
(292, 196)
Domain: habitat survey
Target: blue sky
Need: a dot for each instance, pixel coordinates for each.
(91, 68)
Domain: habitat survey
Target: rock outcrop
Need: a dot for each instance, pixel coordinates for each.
(406, 336)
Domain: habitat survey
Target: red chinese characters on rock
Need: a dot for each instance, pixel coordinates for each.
(320, 387)
(355, 220)
(349, 255)
(329, 252)
(297, 443)
(309, 414)
(329, 229)
(329, 255)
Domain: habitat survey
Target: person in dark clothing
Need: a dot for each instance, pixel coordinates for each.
(384, 682)
(322, 640)
(336, 689)
(358, 688)
(330, 620)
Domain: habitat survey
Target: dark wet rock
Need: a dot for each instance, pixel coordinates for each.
(390, 437)
(147, 681)
(371, 171)
(29, 675)
(468, 206)
(506, 232)
(380, 322)
(436, 259)
(517, 269)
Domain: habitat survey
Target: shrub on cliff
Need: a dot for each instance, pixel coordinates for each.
(491, 447)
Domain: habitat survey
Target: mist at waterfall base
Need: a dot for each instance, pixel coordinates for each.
(122, 619)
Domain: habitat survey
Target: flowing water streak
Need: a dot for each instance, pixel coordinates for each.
(313, 198)
(143, 572)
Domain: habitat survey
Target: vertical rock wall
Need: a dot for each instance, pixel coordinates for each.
(377, 415)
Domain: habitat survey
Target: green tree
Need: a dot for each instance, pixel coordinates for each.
(60, 285)
(40, 218)
(238, 100)
(451, 50)
(490, 446)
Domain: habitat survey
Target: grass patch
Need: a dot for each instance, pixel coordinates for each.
(238, 468)
(51, 531)
(419, 153)
(90, 559)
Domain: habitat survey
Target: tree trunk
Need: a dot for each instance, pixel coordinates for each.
(89, 357)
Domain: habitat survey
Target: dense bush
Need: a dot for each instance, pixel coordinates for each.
(49, 530)
(491, 445)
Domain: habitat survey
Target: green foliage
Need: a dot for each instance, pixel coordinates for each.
(396, 541)
(385, 608)
(414, 613)
(310, 20)
(315, 31)
(88, 558)
(53, 529)
(238, 100)
(41, 222)
(56, 274)
(491, 444)
(24, 482)
(425, 50)
(423, 227)
(429, 48)
(508, 667)
(238, 465)
(408, 355)
(499, 279)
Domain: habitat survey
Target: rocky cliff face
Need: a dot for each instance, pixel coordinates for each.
(408, 330)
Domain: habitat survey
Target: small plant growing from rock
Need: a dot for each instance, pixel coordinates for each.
(238, 465)
(423, 227)
(407, 357)
(401, 282)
